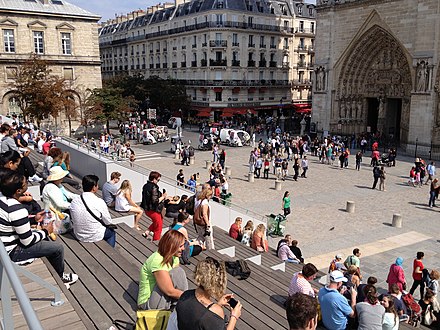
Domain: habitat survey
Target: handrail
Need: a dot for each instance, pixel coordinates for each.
(8, 279)
(170, 181)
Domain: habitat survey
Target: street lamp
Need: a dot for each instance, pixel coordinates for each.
(415, 151)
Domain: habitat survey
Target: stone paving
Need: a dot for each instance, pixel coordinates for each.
(319, 221)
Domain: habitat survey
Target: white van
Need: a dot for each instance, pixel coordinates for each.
(149, 136)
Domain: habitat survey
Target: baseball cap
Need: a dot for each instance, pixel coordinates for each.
(337, 276)
(338, 256)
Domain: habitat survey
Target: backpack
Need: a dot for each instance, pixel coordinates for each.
(189, 205)
(238, 268)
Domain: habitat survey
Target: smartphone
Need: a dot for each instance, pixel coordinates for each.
(232, 302)
(164, 191)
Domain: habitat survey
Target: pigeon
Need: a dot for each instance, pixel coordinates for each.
(331, 228)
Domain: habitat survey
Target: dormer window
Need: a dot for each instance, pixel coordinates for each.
(300, 10)
(220, 4)
(311, 13)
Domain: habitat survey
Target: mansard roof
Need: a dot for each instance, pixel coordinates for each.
(59, 7)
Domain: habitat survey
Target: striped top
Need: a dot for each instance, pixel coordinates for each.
(15, 227)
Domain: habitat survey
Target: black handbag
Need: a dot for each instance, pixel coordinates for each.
(110, 226)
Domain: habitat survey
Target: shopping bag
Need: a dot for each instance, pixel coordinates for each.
(153, 319)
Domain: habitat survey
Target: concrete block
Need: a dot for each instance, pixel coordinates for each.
(230, 251)
(255, 259)
(281, 266)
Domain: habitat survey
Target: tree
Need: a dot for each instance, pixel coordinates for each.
(40, 93)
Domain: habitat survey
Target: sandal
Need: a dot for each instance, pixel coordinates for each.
(138, 228)
(145, 234)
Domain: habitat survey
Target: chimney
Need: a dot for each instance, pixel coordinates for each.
(179, 2)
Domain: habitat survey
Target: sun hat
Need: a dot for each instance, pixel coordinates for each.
(337, 276)
(56, 173)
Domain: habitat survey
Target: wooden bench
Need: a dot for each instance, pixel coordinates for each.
(262, 308)
(108, 284)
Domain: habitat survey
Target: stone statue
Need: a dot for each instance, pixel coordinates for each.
(359, 109)
(422, 77)
(381, 108)
(320, 79)
(342, 109)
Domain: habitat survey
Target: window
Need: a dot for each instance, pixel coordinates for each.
(68, 73)
(301, 26)
(234, 56)
(11, 72)
(272, 41)
(234, 38)
(8, 37)
(219, 19)
(286, 25)
(66, 44)
(300, 10)
(312, 27)
(218, 96)
(250, 20)
(311, 13)
(38, 42)
(261, 41)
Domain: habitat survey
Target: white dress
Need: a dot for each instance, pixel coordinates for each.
(121, 203)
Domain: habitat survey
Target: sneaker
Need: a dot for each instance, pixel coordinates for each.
(35, 178)
(69, 278)
(25, 262)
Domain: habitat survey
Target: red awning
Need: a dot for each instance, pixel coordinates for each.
(217, 89)
(236, 90)
(303, 111)
(303, 108)
(205, 114)
(302, 105)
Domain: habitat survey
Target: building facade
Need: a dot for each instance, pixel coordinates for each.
(64, 35)
(233, 56)
(377, 70)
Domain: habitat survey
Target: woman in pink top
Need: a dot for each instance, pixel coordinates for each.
(301, 281)
(396, 275)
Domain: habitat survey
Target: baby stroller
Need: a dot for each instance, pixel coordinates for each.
(384, 160)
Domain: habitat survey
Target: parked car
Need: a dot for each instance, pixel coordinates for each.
(149, 136)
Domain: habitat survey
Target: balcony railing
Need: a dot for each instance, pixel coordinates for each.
(262, 63)
(251, 45)
(193, 64)
(222, 62)
(151, 66)
(285, 65)
(272, 64)
(203, 62)
(304, 31)
(183, 64)
(194, 46)
(218, 43)
(165, 65)
(262, 82)
(235, 44)
(235, 63)
(302, 64)
(174, 65)
(302, 82)
(174, 48)
(205, 44)
(273, 46)
(262, 45)
(251, 63)
(157, 65)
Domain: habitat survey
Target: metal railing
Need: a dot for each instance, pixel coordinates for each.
(9, 279)
(168, 180)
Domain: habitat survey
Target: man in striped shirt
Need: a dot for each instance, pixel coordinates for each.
(20, 241)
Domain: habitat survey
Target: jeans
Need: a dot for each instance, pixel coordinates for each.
(432, 198)
(375, 182)
(358, 165)
(53, 251)
(110, 237)
(292, 261)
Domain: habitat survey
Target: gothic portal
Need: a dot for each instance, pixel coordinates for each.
(374, 71)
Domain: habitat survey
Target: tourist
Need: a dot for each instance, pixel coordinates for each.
(296, 167)
(360, 289)
(334, 306)
(202, 308)
(222, 158)
(396, 275)
(376, 176)
(258, 166)
(266, 165)
(352, 277)
(302, 312)
(180, 178)
(162, 281)
(179, 224)
(90, 216)
(417, 274)
(284, 252)
(64, 162)
(433, 285)
(354, 259)
(202, 218)
(247, 233)
(433, 192)
(55, 197)
(391, 318)
(358, 160)
(236, 232)
(430, 169)
(286, 203)
(370, 312)
(336, 264)
(399, 304)
(284, 169)
(296, 250)
(382, 176)
(110, 190)
(259, 242)
(52, 154)
(192, 183)
(427, 302)
(22, 243)
(175, 205)
(124, 202)
(153, 204)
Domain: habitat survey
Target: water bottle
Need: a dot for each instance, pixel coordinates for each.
(47, 218)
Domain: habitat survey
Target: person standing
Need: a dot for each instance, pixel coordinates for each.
(286, 203)
(153, 203)
(430, 169)
(296, 169)
(382, 178)
(180, 178)
(222, 158)
(433, 192)
(304, 166)
(417, 274)
(358, 160)
(202, 217)
(376, 176)
(266, 165)
(396, 275)
(355, 260)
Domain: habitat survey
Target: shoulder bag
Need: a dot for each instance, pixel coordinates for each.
(111, 226)
(198, 216)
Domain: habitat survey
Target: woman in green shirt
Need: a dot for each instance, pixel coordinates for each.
(286, 203)
(162, 281)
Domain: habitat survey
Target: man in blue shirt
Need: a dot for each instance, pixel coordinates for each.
(334, 306)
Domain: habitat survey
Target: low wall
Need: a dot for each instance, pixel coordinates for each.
(84, 161)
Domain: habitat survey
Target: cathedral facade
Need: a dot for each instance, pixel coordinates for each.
(377, 71)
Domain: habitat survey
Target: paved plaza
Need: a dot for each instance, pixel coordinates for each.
(319, 221)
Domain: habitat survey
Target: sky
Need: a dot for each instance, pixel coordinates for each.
(108, 8)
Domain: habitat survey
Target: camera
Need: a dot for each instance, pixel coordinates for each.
(207, 233)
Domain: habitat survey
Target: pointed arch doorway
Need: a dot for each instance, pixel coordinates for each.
(374, 87)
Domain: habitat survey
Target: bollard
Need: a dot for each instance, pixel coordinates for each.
(397, 220)
(207, 164)
(251, 177)
(350, 207)
(228, 170)
(191, 160)
(277, 185)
